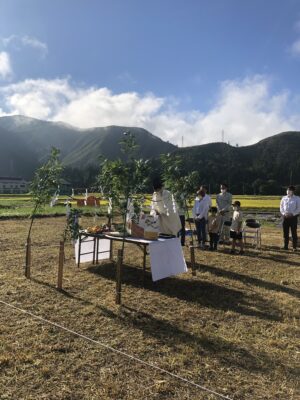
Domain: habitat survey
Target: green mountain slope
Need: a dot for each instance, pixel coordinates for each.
(263, 167)
(105, 142)
(30, 140)
(17, 157)
(275, 158)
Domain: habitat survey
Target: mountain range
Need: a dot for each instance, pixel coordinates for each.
(25, 143)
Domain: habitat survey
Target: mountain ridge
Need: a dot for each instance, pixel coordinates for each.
(26, 143)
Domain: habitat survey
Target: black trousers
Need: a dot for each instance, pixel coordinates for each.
(290, 223)
(213, 240)
(182, 230)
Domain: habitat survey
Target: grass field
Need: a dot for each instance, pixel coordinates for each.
(21, 205)
(233, 328)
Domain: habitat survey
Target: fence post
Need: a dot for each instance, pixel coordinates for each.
(28, 258)
(60, 265)
(118, 277)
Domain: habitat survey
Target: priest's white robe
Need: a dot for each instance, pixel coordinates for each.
(165, 205)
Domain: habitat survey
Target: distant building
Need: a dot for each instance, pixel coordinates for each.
(13, 185)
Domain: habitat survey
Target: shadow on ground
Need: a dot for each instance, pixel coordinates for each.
(201, 292)
(167, 334)
(217, 271)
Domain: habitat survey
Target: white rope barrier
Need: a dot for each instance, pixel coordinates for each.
(178, 377)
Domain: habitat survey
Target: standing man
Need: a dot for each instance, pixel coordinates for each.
(200, 215)
(290, 209)
(224, 205)
(207, 198)
(164, 205)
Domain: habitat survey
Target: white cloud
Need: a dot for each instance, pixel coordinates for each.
(34, 42)
(295, 48)
(5, 65)
(37, 98)
(246, 110)
(17, 42)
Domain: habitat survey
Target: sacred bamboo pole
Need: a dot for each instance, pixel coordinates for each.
(118, 277)
(192, 255)
(28, 258)
(60, 265)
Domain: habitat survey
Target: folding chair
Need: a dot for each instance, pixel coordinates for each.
(252, 232)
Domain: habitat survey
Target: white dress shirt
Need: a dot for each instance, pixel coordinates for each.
(208, 199)
(290, 205)
(201, 207)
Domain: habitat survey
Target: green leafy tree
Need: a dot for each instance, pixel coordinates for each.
(123, 180)
(72, 227)
(44, 184)
(183, 185)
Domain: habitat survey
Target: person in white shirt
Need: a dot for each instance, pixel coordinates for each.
(207, 198)
(200, 215)
(290, 209)
(236, 228)
(224, 204)
(164, 205)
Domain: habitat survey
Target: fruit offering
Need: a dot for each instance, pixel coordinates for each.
(98, 229)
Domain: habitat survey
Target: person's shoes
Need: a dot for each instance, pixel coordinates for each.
(241, 252)
(232, 251)
(284, 248)
(294, 249)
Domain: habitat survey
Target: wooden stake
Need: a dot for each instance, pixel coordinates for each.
(144, 264)
(192, 251)
(28, 258)
(60, 265)
(118, 277)
(111, 251)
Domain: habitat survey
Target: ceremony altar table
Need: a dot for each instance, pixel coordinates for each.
(166, 255)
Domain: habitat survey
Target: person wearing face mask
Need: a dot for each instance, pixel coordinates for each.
(290, 209)
(164, 205)
(200, 215)
(224, 204)
(203, 188)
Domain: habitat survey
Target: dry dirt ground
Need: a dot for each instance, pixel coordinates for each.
(232, 328)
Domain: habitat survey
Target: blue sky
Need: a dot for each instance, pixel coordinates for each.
(178, 68)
